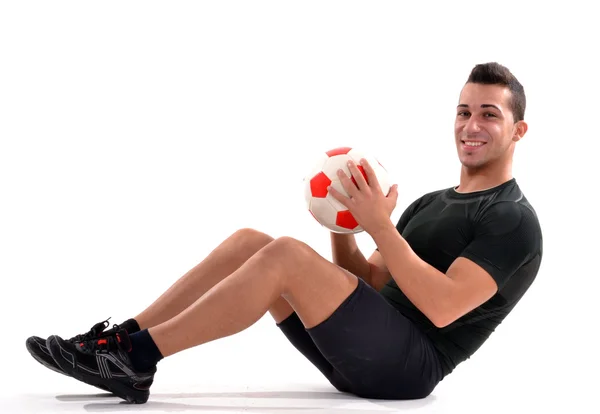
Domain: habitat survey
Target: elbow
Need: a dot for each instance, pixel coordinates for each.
(442, 318)
(441, 323)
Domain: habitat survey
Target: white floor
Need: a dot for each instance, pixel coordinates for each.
(252, 399)
(284, 398)
(64, 395)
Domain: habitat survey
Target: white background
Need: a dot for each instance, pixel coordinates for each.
(135, 136)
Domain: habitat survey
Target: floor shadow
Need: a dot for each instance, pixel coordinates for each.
(320, 401)
(296, 395)
(82, 397)
(167, 407)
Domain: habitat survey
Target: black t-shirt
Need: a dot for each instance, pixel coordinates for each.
(497, 229)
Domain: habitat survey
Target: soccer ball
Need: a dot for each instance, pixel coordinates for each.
(326, 210)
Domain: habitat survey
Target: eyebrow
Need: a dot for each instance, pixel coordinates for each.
(483, 106)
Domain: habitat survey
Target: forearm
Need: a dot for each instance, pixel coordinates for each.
(426, 287)
(347, 255)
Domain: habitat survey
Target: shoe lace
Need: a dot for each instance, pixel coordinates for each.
(96, 330)
(103, 344)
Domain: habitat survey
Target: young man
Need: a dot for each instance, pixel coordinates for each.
(393, 326)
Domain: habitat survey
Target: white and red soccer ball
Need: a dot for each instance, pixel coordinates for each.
(329, 212)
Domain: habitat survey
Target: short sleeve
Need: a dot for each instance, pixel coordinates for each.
(406, 216)
(506, 237)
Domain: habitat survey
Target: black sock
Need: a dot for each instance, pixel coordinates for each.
(131, 326)
(144, 353)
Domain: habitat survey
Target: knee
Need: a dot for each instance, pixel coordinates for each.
(251, 239)
(290, 253)
(288, 247)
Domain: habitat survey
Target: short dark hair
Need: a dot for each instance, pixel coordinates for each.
(493, 73)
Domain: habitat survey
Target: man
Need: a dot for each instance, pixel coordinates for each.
(393, 326)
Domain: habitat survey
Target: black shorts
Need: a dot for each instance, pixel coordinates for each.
(368, 348)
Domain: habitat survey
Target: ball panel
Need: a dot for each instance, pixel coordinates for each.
(307, 192)
(319, 184)
(316, 167)
(323, 211)
(357, 155)
(338, 151)
(333, 164)
(346, 220)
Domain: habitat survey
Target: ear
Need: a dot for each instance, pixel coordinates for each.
(519, 131)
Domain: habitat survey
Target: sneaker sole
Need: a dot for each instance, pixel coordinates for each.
(120, 390)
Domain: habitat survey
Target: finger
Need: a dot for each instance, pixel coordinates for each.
(347, 183)
(339, 196)
(393, 188)
(359, 177)
(393, 194)
(393, 197)
(371, 177)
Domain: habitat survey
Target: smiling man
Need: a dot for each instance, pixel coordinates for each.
(489, 121)
(391, 326)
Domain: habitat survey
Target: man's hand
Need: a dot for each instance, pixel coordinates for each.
(366, 201)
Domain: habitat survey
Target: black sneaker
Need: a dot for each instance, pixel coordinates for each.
(103, 361)
(38, 350)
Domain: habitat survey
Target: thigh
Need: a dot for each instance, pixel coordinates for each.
(311, 284)
(376, 349)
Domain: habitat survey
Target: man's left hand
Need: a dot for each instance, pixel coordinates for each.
(366, 201)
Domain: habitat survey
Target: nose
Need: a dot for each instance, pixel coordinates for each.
(472, 127)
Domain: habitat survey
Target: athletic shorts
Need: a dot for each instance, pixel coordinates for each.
(369, 349)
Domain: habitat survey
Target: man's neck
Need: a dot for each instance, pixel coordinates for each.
(479, 180)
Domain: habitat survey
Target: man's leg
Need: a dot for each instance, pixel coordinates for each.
(220, 263)
(313, 286)
(285, 268)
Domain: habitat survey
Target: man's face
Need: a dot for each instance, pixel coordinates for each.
(484, 128)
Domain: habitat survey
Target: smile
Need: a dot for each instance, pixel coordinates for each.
(471, 145)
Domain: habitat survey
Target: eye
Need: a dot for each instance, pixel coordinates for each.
(490, 114)
(463, 113)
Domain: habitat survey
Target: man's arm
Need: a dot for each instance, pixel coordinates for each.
(347, 255)
(442, 298)
(380, 274)
(506, 238)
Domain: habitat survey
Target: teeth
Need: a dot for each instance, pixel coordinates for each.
(474, 144)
